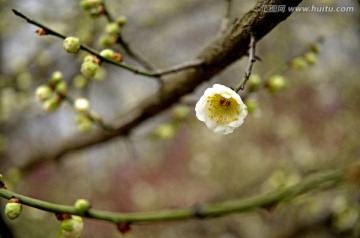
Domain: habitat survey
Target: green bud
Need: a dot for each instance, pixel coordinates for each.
(72, 44)
(56, 78)
(80, 81)
(13, 209)
(108, 54)
(82, 105)
(107, 40)
(72, 227)
(254, 82)
(310, 58)
(165, 131)
(90, 58)
(62, 88)
(276, 83)
(112, 28)
(121, 21)
(43, 92)
(89, 69)
(252, 105)
(83, 122)
(85, 126)
(82, 205)
(89, 4)
(298, 63)
(180, 112)
(52, 103)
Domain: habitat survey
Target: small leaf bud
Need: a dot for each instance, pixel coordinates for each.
(121, 21)
(61, 88)
(89, 4)
(82, 105)
(72, 44)
(310, 58)
(43, 93)
(276, 83)
(72, 228)
(112, 28)
(254, 82)
(13, 208)
(298, 63)
(56, 78)
(52, 103)
(82, 205)
(89, 69)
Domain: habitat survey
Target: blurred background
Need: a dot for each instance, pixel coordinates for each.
(173, 160)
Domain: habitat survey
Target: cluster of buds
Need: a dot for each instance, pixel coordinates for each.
(51, 95)
(308, 58)
(112, 32)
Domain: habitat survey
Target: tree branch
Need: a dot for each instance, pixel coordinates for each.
(224, 51)
(314, 182)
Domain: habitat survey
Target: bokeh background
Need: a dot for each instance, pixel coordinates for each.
(173, 160)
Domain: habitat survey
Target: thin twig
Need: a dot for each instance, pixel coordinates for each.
(84, 47)
(317, 181)
(226, 19)
(179, 67)
(136, 56)
(251, 61)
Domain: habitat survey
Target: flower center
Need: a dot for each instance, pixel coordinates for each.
(223, 110)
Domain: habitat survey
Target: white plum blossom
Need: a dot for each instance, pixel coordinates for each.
(221, 109)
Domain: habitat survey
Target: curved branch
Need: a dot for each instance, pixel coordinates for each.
(317, 181)
(225, 50)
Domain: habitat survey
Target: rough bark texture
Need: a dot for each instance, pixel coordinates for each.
(225, 50)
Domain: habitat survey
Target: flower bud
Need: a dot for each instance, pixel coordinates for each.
(276, 83)
(252, 105)
(165, 131)
(112, 28)
(82, 205)
(107, 53)
(56, 78)
(298, 63)
(62, 88)
(89, 69)
(43, 93)
(72, 227)
(82, 105)
(83, 122)
(310, 58)
(52, 103)
(111, 55)
(13, 208)
(121, 21)
(180, 112)
(107, 40)
(89, 4)
(254, 82)
(72, 44)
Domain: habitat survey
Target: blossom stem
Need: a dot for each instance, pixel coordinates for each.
(314, 182)
(252, 59)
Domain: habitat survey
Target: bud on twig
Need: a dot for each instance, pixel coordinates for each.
(13, 208)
